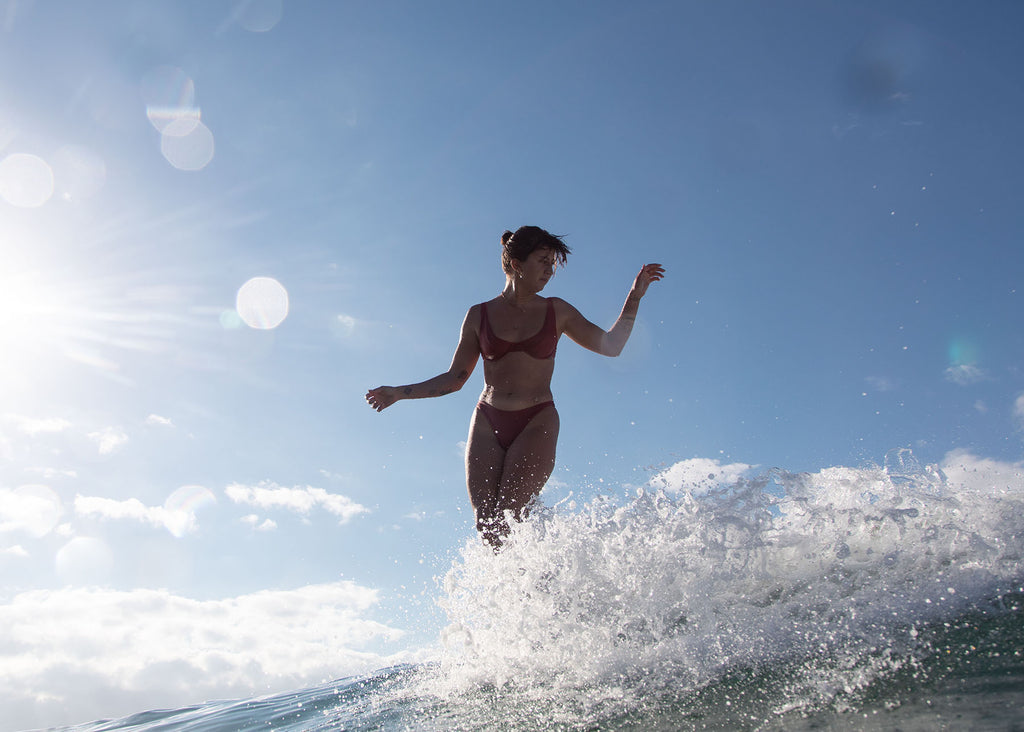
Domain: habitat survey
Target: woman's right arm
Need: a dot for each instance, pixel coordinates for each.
(463, 363)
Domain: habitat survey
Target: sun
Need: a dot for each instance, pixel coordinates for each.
(27, 307)
(33, 314)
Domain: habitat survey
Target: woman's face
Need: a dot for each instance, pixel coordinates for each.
(538, 267)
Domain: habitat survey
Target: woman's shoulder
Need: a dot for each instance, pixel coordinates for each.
(486, 304)
(473, 314)
(560, 304)
(564, 312)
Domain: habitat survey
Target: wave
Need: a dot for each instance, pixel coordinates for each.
(852, 598)
(813, 587)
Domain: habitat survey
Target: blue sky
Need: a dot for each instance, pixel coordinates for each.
(833, 188)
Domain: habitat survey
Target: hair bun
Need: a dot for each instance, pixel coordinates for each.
(505, 238)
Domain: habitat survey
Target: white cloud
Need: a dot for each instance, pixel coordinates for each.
(77, 654)
(33, 426)
(698, 474)
(177, 515)
(108, 439)
(157, 420)
(1018, 410)
(14, 551)
(345, 325)
(982, 475)
(131, 509)
(51, 473)
(423, 515)
(965, 374)
(254, 521)
(268, 495)
(32, 509)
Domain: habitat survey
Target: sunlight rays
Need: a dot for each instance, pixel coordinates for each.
(50, 325)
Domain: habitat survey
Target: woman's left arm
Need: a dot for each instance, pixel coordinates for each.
(611, 342)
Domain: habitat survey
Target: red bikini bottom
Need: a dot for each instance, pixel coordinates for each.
(507, 425)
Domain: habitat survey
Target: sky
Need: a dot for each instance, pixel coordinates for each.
(221, 222)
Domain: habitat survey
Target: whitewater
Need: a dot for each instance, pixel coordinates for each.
(876, 597)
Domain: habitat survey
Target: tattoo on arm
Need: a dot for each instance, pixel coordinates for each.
(408, 390)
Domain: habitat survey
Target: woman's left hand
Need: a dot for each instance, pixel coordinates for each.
(648, 273)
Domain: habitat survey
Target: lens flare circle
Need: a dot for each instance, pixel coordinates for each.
(260, 16)
(170, 95)
(262, 303)
(26, 181)
(187, 144)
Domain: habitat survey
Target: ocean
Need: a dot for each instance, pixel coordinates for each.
(884, 597)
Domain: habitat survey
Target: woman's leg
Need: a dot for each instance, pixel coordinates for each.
(484, 460)
(528, 464)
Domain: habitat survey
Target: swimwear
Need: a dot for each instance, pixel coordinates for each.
(541, 344)
(508, 425)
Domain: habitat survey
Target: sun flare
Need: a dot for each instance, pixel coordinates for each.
(33, 313)
(29, 312)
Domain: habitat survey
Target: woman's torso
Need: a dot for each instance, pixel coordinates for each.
(518, 349)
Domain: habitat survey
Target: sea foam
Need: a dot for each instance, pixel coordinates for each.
(823, 581)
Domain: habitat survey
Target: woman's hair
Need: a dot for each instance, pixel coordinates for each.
(525, 241)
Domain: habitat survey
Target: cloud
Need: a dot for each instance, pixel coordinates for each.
(423, 515)
(33, 426)
(965, 374)
(76, 654)
(157, 420)
(177, 515)
(344, 325)
(254, 521)
(698, 474)
(982, 475)
(269, 495)
(31, 509)
(1018, 410)
(17, 550)
(108, 439)
(51, 473)
(134, 510)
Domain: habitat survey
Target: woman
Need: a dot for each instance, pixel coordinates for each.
(512, 435)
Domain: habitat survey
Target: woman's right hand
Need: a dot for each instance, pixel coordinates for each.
(382, 397)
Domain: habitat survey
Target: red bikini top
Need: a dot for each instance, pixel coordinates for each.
(541, 344)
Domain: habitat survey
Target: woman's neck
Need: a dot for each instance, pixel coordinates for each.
(515, 296)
